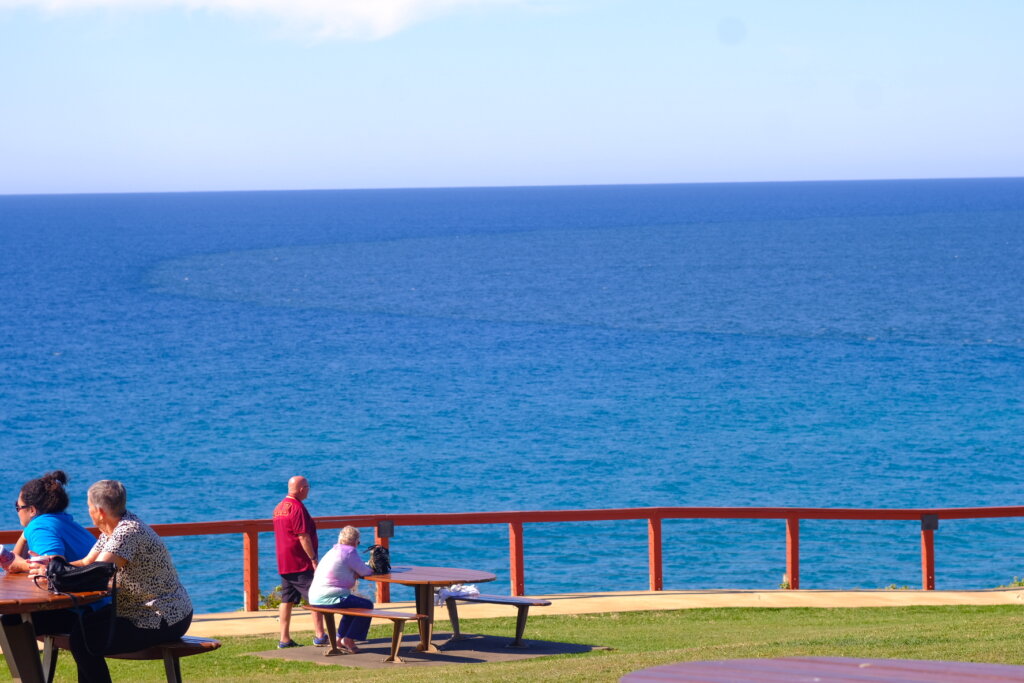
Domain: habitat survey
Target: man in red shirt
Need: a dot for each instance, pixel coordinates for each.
(295, 534)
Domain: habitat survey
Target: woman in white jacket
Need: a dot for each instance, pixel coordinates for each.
(335, 576)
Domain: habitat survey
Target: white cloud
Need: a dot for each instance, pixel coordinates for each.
(365, 19)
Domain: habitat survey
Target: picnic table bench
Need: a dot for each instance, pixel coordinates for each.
(397, 618)
(170, 652)
(521, 602)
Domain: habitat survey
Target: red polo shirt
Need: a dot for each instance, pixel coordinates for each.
(290, 520)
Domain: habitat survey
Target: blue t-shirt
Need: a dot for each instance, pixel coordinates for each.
(57, 533)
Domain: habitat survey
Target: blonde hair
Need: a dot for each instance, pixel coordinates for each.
(348, 536)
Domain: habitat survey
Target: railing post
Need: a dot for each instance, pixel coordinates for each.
(654, 552)
(383, 589)
(793, 552)
(251, 569)
(929, 523)
(515, 558)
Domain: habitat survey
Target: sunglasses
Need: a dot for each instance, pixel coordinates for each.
(19, 508)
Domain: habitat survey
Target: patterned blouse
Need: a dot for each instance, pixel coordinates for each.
(148, 588)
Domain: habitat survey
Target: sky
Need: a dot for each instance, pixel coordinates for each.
(200, 95)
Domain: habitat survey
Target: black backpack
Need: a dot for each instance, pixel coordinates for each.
(380, 559)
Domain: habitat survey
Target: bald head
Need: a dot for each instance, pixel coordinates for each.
(298, 487)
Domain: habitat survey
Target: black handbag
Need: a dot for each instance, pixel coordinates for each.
(380, 559)
(65, 578)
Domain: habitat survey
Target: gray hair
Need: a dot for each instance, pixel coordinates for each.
(348, 536)
(110, 495)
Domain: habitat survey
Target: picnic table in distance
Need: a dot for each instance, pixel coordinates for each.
(827, 669)
(423, 580)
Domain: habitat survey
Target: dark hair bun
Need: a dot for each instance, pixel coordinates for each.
(55, 479)
(47, 493)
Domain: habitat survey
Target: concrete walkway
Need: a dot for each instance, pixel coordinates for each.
(265, 622)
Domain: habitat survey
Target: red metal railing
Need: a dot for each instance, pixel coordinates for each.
(251, 528)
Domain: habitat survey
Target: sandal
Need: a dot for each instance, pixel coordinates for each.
(351, 649)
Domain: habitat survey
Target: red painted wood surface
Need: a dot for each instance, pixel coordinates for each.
(516, 519)
(826, 669)
(383, 589)
(251, 569)
(240, 526)
(927, 559)
(793, 552)
(655, 577)
(517, 570)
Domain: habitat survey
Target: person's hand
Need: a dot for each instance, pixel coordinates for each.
(314, 563)
(37, 564)
(6, 558)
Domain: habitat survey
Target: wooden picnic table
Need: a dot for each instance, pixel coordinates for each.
(19, 596)
(826, 669)
(424, 580)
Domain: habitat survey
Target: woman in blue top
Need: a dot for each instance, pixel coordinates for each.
(48, 529)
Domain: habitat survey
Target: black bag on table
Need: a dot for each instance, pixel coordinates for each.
(63, 578)
(380, 559)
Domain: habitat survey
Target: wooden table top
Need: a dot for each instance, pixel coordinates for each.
(438, 576)
(19, 595)
(825, 669)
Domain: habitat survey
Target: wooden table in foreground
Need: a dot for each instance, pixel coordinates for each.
(424, 580)
(825, 669)
(19, 596)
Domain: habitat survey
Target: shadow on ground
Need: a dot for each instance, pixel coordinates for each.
(471, 649)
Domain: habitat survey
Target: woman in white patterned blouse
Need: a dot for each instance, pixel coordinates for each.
(152, 605)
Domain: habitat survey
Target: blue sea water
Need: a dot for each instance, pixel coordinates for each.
(847, 344)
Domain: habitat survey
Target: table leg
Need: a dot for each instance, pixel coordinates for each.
(18, 641)
(425, 605)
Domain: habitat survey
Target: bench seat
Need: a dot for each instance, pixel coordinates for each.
(170, 652)
(397, 618)
(523, 604)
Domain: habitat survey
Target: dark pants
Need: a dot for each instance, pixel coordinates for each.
(355, 628)
(126, 637)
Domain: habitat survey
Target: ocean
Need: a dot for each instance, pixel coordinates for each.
(827, 344)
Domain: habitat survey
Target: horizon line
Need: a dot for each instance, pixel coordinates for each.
(502, 187)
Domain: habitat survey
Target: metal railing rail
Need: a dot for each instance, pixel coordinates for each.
(251, 528)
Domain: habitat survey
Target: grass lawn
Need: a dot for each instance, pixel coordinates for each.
(642, 639)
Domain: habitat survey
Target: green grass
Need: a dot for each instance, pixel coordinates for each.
(642, 639)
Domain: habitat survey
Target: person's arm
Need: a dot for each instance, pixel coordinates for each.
(307, 545)
(96, 555)
(110, 557)
(45, 543)
(93, 556)
(19, 565)
(358, 567)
